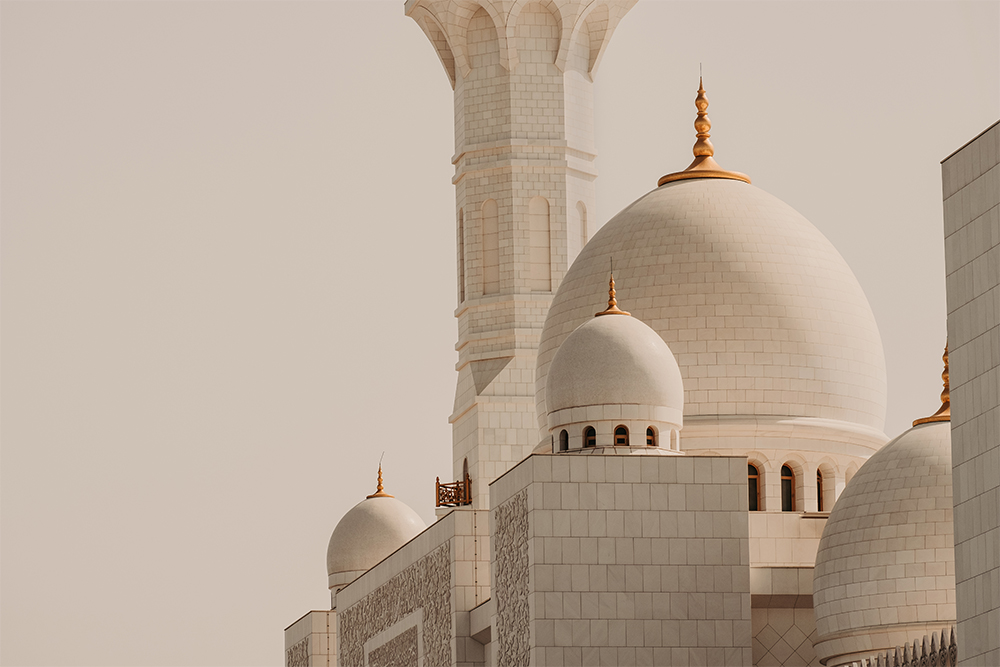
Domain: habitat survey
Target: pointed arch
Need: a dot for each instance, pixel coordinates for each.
(438, 37)
(491, 247)
(539, 245)
(542, 16)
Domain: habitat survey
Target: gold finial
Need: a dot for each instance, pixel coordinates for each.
(704, 165)
(379, 492)
(944, 412)
(612, 301)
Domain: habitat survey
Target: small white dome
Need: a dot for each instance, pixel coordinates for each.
(372, 530)
(614, 360)
(885, 569)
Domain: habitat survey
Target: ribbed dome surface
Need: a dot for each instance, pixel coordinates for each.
(372, 530)
(615, 359)
(763, 315)
(885, 569)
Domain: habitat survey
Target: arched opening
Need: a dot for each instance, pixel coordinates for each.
(819, 490)
(621, 436)
(787, 489)
(461, 256)
(540, 247)
(851, 469)
(753, 485)
(563, 441)
(491, 247)
(589, 437)
(650, 437)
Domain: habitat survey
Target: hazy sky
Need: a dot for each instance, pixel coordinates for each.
(228, 270)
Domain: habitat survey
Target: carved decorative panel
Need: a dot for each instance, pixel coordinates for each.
(297, 655)
(424, 585)
(400, 651)
(511, 586)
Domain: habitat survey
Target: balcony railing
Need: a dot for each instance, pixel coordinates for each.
(453, 494)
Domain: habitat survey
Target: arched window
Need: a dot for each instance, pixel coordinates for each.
(491, 247)
(650, 437)
(753, 482)
(589, 437)
(621, 436)
(787, 489)
(540, 247)
(563, 441)
(461, 256)
(819, 491)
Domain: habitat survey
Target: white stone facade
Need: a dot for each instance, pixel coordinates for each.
(524, 188)
(695, 551)
(311, 641)
(621, 560)
(971, 178)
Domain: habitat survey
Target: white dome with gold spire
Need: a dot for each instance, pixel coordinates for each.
(768, 324)
(614, 373)
(369, 532)
(885, 568)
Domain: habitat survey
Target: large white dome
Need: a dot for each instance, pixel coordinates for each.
(369, 532)
(761, 312)
(885, 569)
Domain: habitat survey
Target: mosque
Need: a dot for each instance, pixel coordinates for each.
(668, 440)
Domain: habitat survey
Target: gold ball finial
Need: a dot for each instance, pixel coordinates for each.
(379, 491)
(612, 301)
(704, 165)
(702, 124)
(944, 412)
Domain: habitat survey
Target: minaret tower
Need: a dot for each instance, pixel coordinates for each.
(524, 192)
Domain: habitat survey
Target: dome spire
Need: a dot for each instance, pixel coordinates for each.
(944, 412)
(704, 165)
(379, 492)
(612, 301)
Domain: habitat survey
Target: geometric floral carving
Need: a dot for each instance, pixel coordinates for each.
(511, 588)
(424, 585)
(399, 651)
(297, 655)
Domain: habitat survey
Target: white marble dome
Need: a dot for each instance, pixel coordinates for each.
(370, 531)
(885, 569)
(764, 316)
(615, 359)
(614, 372)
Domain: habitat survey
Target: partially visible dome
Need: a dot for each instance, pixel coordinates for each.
(615, 360)
(885, 569)
(370, 531)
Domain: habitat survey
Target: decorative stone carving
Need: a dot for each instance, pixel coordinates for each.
(424, 585)
(297, 655)
(400, 651)
(511, 585)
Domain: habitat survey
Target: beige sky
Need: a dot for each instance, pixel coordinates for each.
(228, 270)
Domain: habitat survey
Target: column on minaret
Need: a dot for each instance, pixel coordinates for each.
(524, 190)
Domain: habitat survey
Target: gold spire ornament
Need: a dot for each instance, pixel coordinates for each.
(944, 412)
(612, 301)
(379, 492)
(704, 165)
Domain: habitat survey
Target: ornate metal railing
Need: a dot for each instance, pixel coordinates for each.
(453, 494)
(936, 651)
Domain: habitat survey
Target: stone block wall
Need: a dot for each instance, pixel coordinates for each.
(971, 180)
(624, 560)
(413, 607)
